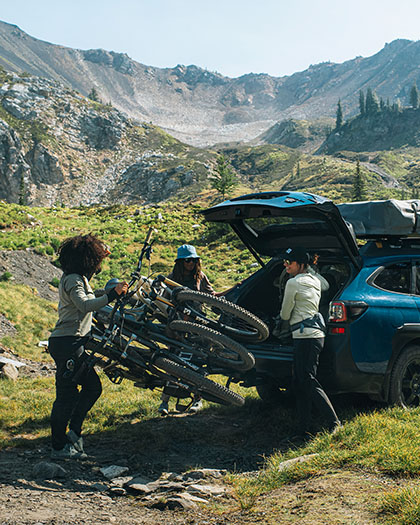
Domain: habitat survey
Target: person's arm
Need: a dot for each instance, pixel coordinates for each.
(288, 299)
(75, 287)
(205, 285)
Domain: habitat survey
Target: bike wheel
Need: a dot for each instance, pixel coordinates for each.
(198, 384)
(222, 315)
(221, 350)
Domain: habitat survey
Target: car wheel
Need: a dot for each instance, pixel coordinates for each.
(405, 378)
(271, 392)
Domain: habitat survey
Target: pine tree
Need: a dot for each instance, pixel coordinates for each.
(225, 178)
(362, 106)
(22, 197)
(93, 95)
(339, 116)
(359, 190)
(414, 97)
(372, 102)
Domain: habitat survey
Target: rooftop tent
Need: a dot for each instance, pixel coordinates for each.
(390, 218)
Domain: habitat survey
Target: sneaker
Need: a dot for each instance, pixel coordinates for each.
(196, 406)
(163, 408)
(67, 452)
(75, 440)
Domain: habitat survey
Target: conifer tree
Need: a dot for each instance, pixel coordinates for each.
(359, 190)
(22, 197)
(362, 106)
(93, 95)
(339, 116)
(372, 102)
(414, 97)
(224, 176)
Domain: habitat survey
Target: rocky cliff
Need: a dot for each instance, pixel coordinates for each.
(59, 147)
(202, 107)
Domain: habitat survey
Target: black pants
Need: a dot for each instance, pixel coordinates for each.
(71, 404)
(308, 390)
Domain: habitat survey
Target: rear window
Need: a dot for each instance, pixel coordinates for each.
(395, 278)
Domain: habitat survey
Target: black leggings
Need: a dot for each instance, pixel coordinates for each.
(308, 389)
(71, 404)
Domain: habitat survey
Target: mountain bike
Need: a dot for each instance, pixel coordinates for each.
(162, 335)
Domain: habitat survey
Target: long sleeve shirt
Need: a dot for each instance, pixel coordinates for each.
(76, 304)
(203, 284)
(301, 301)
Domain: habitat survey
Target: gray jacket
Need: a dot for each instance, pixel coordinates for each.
(76, 304)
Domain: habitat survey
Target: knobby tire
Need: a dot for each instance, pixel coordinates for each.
(234, 321)
(203, 386)
(221, 350)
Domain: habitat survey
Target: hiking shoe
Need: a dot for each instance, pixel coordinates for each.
(163, 408)
(75, 440)
(67, 452)
(196, 406)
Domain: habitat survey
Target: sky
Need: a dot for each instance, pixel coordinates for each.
(232, 37)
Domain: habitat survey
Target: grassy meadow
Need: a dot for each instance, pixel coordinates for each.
(379, 440)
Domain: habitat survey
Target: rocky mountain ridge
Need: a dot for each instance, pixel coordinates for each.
(59, 147)
(202, 107)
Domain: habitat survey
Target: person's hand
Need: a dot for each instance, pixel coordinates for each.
(121, 288)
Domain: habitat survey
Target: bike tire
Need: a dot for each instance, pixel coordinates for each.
(223, 316)
(221, 350)
(203, 386)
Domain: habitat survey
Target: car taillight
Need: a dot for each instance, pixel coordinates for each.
(337, 313)
(346, 310)
(337, 330)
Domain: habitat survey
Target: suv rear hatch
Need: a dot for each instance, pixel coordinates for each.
(269, 223)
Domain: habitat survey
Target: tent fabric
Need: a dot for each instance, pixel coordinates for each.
(383, 218)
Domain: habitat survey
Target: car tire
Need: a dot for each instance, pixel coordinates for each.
(404, 388)
(271, 393)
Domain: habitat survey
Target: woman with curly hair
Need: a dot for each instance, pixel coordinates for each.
(80, 258)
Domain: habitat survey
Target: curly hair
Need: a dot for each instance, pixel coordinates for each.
(178, 271)
(82, 254)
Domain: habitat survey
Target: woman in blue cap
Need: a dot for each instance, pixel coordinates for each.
(187, 271)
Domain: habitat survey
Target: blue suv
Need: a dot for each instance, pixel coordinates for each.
(372, 307)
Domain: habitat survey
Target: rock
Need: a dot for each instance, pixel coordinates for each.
(204, 473)
(113, 471)
(9, 371)
(284, 465)
(47, 470)
(121, 481)
(165, 486)
(100, 487)
(118, 491)
(139, 487)
(207, 490)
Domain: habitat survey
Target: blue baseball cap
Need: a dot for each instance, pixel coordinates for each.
(186, 251)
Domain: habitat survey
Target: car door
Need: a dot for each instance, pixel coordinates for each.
(388, 294)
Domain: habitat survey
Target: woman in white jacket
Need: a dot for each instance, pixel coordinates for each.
(300, 307)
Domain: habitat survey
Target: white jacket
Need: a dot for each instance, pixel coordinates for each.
(301, 301)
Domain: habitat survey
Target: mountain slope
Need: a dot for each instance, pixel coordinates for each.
(58, 147)
(201, 107)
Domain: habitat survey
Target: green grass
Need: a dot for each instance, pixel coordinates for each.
(402, 506)
(385, 442)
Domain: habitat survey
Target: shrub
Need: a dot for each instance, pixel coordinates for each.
(6, 276)
(55, 281)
